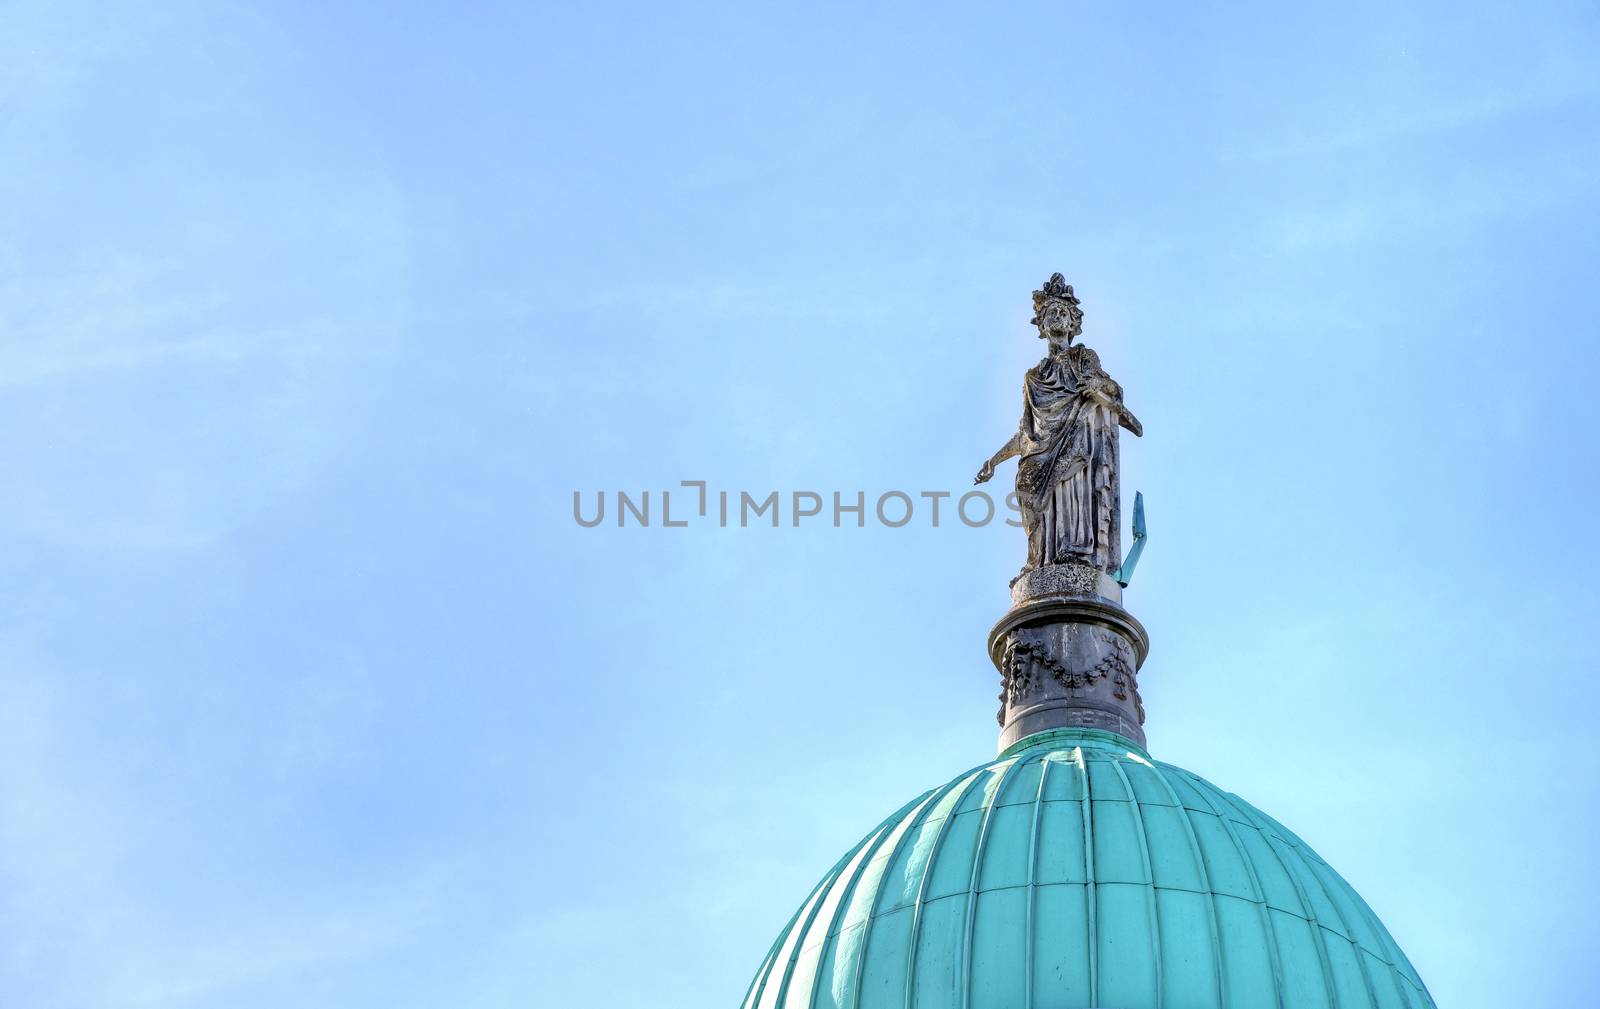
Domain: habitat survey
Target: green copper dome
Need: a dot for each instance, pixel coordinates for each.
(1073, 871)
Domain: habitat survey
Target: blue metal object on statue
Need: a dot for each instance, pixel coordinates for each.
(1125, 573)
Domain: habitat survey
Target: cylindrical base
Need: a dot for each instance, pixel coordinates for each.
(1068, 661)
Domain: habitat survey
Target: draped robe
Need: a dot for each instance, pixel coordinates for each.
(1067, 474)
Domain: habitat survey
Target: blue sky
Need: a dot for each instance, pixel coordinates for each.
(314, 316)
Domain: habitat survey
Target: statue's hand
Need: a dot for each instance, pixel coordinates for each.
(985, 472)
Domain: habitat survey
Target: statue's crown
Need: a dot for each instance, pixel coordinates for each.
(1055, 289)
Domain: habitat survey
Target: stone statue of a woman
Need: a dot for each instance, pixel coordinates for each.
(1067, 475)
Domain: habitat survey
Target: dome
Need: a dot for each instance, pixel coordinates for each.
(1074, 871)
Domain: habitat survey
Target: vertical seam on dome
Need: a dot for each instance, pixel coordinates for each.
(1150, 892)
(807, 911)
(1318, 932)
(799, 947)
(1255, 883)
(1356, 945)
(964, 978)
(1391, 953)
(1398, 954)
(1420, 989)
(1033, 877)
(917, 818)
(1361, 960)
(1403, 963)
(765, 973)
(861, 863)
(1090, 904)
(1205, 880)
(815, 901)
(761, 972)
(922, 888)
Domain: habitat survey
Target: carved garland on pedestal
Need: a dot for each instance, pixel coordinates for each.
(1022, 663)
(1119, 666)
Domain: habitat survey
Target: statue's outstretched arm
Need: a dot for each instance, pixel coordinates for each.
(1007, 451)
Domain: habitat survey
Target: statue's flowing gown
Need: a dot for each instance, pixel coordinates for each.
(1067, 476)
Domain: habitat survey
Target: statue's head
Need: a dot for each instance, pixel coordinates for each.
(1056, 311)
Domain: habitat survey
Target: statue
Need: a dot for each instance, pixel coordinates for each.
(1067, 474)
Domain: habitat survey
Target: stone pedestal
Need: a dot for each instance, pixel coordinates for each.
(1068, 656)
